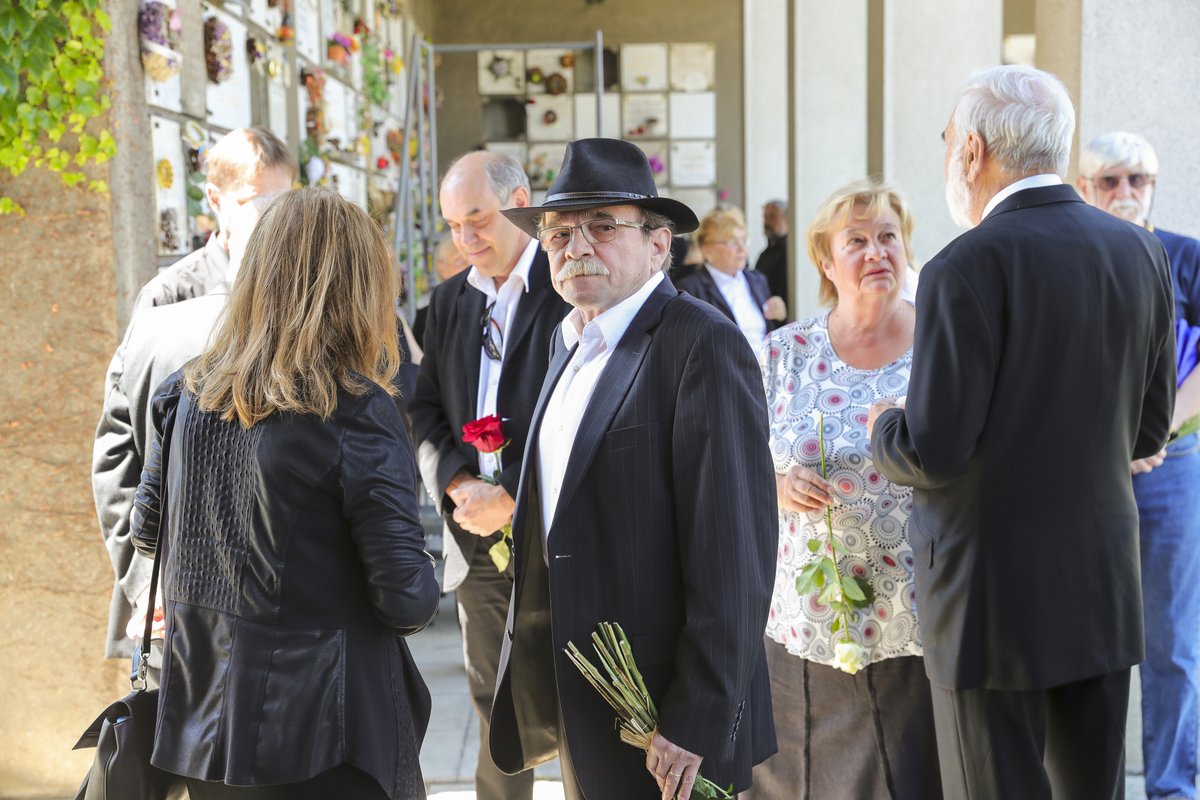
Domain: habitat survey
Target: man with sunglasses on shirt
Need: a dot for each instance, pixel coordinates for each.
(486, 341)
(1117, 173)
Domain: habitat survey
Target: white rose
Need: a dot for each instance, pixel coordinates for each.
(849, 657)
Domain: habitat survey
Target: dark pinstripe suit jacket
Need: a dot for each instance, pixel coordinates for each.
(666, 524)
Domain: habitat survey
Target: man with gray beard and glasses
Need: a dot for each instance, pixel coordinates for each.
(1117, 174)
(1043, 364)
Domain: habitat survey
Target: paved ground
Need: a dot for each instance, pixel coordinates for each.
(452, 744)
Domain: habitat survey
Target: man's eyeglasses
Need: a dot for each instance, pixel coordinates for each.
(595, 231)
(491, 337)
(1110, 182)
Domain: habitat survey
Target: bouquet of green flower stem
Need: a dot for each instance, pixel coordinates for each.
(845, 594)
(626, 692)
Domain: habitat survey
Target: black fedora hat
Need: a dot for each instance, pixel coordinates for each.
(604, 172)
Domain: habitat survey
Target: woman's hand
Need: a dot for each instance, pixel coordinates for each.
(1143, 465)
(801, 489)
(775, 309)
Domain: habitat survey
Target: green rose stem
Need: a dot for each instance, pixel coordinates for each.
(626, 692)
(842, 593)
(830, 543)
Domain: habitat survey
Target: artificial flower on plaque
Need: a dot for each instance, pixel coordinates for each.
(218, 50)
(486, 435)
(158, 35)
(338, 49)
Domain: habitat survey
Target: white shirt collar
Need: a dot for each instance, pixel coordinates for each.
(520, 271)
(1032, 182)
(723, 278)
(612, 323)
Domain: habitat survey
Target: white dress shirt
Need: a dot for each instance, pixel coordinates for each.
(746, 313)
(564, 409)
(1032, 182)
(506, 299)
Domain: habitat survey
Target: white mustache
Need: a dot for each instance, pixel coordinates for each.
(1125, 207)
(580, 268)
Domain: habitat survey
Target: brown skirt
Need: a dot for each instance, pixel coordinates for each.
(868, 736)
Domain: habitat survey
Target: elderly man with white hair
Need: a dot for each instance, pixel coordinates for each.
(1043, 364)
(1117, 173)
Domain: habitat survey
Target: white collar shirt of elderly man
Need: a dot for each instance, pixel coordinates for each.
(594, 277)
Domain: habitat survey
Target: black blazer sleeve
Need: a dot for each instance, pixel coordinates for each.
(147, 504)
(379, 499)
(727, 529)
(930, 445)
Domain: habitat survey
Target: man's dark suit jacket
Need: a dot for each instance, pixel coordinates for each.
(1044, 362)
(700, 284)
(448, 389)
(772, 263)
(666, 524)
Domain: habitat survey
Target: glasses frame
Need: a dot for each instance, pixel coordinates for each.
(1136, 181)
(587, 235)
(486, 325)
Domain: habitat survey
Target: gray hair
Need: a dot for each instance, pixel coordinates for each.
(1023, 114)
(1117, 149)
(782, 205)
(504, 173)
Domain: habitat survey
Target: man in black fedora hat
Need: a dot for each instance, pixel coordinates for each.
(646, 498)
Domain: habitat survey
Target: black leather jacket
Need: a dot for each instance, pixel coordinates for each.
(295, 563)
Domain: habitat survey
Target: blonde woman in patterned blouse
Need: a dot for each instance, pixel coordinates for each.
(865, 735)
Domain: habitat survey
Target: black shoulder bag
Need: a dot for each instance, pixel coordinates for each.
(123, 734)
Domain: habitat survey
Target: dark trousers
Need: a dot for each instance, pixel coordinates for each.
(1062, 743)
(483, 599)
(343, 782)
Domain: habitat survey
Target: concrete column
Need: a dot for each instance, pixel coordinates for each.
(829, 123)
(131, 170)
(930, 47)
(1135, 59)
(765, 87)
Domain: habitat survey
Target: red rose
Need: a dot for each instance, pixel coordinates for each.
(487, 434)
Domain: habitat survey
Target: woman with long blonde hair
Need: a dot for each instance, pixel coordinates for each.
(283, 485)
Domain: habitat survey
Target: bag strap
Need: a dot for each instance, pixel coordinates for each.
(138, 680)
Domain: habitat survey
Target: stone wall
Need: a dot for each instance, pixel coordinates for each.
(60, 326)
